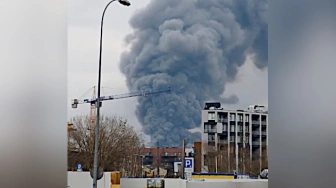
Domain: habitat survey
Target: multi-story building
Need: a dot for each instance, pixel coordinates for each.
(240, 134)
(166, 157)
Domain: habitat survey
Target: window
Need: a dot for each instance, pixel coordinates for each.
(207, 128)
(175, 154)
(225, 127)
(221, 117)
(232, 117)
(240, 118)
(246, 128)
(232, 128)
(246, 118)
(239, 128)
(211, 137)
(239, 138)
(232, 138)
(166, 154)
(211, 116)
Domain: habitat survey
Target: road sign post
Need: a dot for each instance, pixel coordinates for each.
(188, 167)
(189, 164)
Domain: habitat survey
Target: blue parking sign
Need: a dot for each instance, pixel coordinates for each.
(188, 163)
(79, 167)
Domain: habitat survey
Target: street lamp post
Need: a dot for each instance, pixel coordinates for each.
(95, 159)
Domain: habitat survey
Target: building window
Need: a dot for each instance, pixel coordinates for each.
(240, 118)
(232, 128)
(211, 116)
(175, 154)
(232, 117)
(207, 128)
(239, 139)
(247, 118)
(225, 127)
(239, 128)
(166, 154)
(247, 128)
(211, 137)
(232, 138)
(221, 117)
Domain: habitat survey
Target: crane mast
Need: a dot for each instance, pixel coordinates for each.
(93, 110)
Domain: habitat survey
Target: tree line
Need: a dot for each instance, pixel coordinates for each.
(119, 145)
(223, 159)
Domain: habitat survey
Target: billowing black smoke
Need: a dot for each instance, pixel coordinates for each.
(195, 47)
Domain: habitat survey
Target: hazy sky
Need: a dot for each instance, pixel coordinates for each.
(83, 49)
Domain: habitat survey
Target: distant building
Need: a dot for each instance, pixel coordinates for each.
(166, 157)
(230, 131)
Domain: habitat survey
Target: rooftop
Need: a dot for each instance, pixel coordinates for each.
(251, 109)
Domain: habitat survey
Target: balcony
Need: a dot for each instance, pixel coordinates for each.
(255, 122)
(240, 130)
(256, 143)
(210, 130)
(221, 120)
(222, 141)
(211, 139)
(257, 133)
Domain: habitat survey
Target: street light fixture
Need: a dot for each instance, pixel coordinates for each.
(98, 105)
(124, 2)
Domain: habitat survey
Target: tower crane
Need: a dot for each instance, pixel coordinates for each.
(93, 100)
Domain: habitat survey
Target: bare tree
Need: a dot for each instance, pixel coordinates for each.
(244, 160)
(209, 157)
(118, 144)
(264, 158)
(220, 158)
(255, 163)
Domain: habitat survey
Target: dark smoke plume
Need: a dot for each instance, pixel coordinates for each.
(195, 47)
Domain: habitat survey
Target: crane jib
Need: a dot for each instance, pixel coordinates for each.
(112, 97)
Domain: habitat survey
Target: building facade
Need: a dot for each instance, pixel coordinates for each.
(241, 134)
(166, 157)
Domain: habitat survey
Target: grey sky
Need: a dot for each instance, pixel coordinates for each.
(83, 47)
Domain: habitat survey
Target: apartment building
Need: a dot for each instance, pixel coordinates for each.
(232, 130)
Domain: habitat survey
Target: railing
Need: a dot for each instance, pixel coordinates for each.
(256, 143)
(220, 120)
(222, 141)
(210, 130)
(256, 122)
(255, 132)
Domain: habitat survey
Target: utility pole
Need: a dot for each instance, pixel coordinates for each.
(158, 165)
(183, 157)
